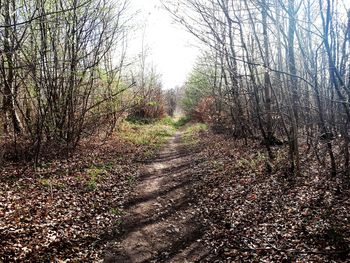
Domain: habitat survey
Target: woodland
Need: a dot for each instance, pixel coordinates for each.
(247, 161)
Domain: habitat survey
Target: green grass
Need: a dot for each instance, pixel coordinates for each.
(182, 121)
(168, 121)
(252, 163)
(51, 183)
(91, 184)
(93, 173)
(153, 135)
(131, 180)
(46, 182)
(117, 212)
(217, 165)
(176, 123)
(196, 128)
(190, 136)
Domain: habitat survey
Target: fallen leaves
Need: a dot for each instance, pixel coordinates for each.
(253, 216)
(67, 208)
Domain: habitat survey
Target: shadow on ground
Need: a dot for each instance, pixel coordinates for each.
(161, 223)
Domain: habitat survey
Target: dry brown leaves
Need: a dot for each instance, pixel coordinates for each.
(253, 216)
(66, 209)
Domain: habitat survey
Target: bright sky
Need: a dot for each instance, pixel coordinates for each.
(171, 47)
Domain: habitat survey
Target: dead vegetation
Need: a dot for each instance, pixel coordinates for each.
(69, 208)
(256, 216)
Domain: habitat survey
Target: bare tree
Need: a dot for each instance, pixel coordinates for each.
(270, 60)
(60, 80)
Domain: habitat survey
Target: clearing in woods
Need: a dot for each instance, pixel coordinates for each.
(160, 223)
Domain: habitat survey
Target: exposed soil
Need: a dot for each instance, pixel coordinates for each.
(161, 221)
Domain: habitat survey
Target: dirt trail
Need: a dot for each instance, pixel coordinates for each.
(160, 224)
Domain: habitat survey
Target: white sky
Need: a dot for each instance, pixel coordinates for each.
(171, 47)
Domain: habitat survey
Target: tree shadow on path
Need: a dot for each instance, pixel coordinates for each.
(161, 223)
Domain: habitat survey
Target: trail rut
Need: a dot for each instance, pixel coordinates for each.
(160, 224)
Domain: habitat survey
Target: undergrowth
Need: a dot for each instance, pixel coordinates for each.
(190, 135)
(152, 134)
(147, 134)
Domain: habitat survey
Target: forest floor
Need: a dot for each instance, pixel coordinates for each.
(154, 194)
(67, 209)
(209, 198)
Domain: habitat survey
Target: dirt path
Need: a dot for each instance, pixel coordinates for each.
(160, 224)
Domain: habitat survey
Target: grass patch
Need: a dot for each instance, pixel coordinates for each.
(217, 165)
(190, 135)
(91, 184)
(51, 183)
(181, 122)
(140, 121)
(93, 173)
(153, 135)
(168, 121)
(176, 123)
(131, 180)
(117, 212)
(46, 182)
